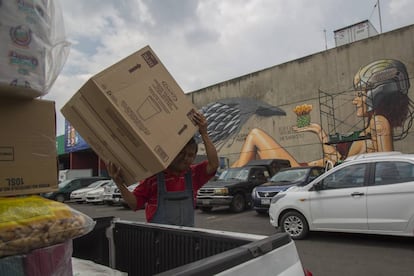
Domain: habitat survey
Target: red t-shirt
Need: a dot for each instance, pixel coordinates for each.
(147, 192)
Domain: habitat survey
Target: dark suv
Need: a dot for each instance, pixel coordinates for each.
(285, 178)
(67, 186)
(234, 186)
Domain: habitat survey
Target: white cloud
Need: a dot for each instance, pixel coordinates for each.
(399, 12)
(203, 42)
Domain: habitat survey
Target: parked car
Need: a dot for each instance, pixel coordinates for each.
(97, 195)
(109, 195)
(79, 195)
(234, 186)
(68, 186)
(370, 193)
(281, 181)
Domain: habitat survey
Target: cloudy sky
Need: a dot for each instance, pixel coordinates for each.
(204, 42)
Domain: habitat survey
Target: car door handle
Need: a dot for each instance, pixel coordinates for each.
(357, 194)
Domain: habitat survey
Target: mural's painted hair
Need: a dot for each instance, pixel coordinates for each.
(382, 78)
(386, 83)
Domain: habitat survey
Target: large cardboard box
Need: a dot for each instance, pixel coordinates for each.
(133, 114)
(28, 159)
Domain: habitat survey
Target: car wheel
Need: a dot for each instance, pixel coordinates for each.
(249, 204)
(238, 203)
(295, 225)
(60, 198)
(206, 209)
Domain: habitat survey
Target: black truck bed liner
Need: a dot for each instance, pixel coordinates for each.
(149, 249)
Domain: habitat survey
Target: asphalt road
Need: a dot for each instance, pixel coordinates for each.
(321, 253)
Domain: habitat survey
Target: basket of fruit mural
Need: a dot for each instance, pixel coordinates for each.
(303, 114)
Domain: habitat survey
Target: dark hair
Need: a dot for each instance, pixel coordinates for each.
(395, 108)
(386, 82)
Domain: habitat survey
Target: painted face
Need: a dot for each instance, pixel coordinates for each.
(360, 102)
(184, 159)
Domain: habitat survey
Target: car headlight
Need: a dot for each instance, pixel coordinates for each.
(277, 197)
(221, 191)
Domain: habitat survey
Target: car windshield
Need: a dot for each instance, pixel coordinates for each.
(290, 175)
(64, 183)
(97, 184)
(229, 174)
(243, 174)
(110, 186)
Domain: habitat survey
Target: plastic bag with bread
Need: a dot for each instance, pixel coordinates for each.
(32, 222)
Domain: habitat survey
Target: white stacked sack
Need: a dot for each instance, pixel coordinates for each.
(33, 48)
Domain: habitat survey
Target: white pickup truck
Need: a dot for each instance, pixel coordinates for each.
(139, 248)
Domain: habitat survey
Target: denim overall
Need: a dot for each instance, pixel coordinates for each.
(176, 208)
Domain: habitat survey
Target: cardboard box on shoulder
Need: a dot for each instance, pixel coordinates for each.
(28, 157)
(133, 114)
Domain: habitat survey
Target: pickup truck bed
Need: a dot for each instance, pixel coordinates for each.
(151, 249)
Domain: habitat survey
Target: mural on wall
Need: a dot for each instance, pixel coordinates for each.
(225, 117)
(380, 99)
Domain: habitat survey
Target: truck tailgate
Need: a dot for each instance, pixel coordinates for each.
(140, 248)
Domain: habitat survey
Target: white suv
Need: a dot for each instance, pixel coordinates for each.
(370, 193)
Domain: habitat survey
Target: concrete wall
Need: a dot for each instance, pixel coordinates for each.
(299, 81)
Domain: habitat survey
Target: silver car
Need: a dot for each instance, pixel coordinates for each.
(79, 195)
(111, 194)
(96, 196)
(370, 193)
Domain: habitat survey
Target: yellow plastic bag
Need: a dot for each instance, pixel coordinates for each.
(32, 222)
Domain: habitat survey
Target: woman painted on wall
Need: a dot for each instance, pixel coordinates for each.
(381, 89)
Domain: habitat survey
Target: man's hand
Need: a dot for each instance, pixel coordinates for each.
(115, 173)
(212, 157)
(200, 121)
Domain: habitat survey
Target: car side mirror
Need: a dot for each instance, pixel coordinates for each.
(318, 186)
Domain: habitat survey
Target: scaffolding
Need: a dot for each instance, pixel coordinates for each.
(331, 124)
